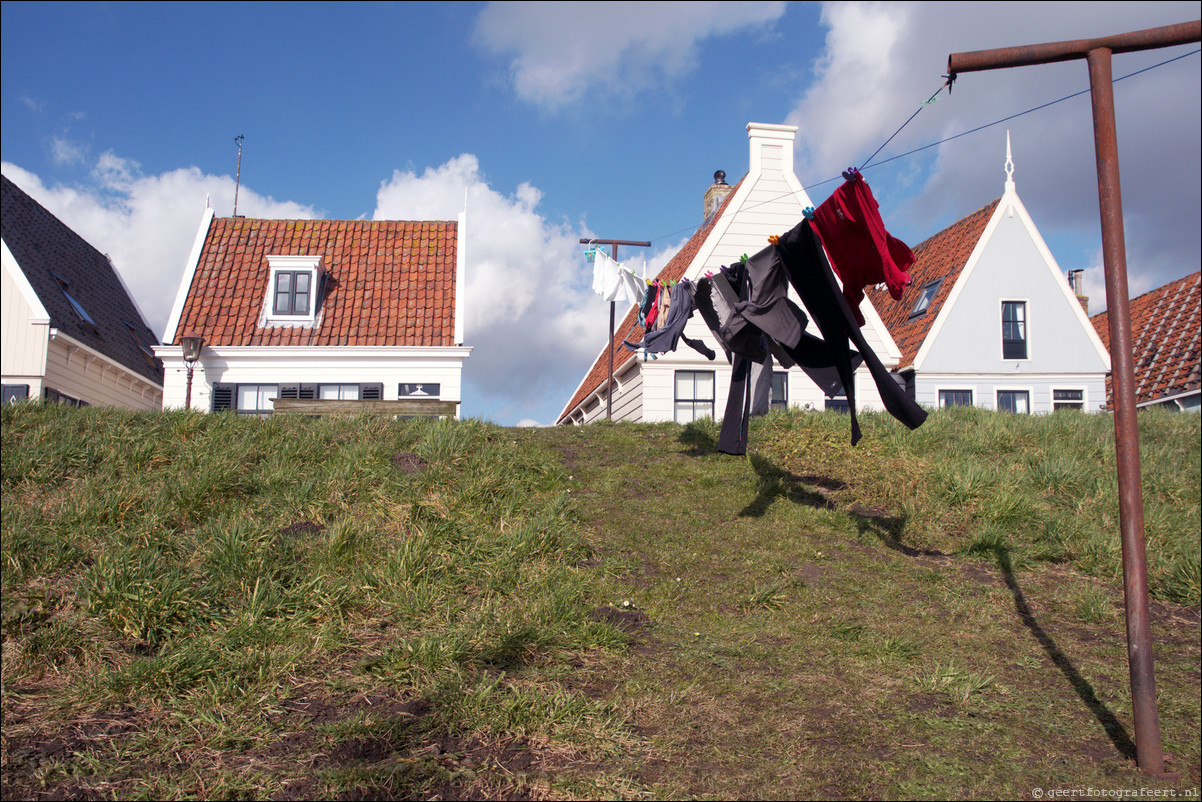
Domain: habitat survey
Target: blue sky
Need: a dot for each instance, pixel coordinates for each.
(562, 121)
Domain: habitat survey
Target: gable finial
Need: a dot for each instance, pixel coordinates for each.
(1009, 165)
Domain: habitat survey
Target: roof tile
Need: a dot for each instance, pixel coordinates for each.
(1165, 340)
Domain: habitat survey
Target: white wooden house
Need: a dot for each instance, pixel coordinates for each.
(989, 319)
(71, 331)
(319, 309)
(683, 385)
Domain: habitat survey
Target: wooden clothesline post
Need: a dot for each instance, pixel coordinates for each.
(609, 409)
(1097, 53)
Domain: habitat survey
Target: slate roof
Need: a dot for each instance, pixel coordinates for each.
(942, 256)
(45, 247)
(1165, 340)
(629, 328)
(388, 283)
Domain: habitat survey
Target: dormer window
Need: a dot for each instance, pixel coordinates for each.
(925, 297)
(293, 291)
(76, 305)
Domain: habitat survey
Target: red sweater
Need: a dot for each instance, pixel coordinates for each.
(861, 251)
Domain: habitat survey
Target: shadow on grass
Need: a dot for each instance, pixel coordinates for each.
(1114, 728)
(776, 483)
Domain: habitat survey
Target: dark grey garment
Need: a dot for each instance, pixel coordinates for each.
(801, 254)
(761, 386)
(671, 332)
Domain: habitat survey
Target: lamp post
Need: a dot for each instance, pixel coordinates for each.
(191, 345)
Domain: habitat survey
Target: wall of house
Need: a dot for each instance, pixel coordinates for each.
(281, 365)
(80, 373)
(1012, 267)
(627, 399)
(1040, 388)
(24, 334)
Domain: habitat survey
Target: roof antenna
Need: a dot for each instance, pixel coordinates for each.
(238, 175)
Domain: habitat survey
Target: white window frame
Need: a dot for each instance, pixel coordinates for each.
(997, 398)
(694, 400)
(1026, 303)
(971, 396)
(292, 264)
(264, 393)
(1082, 405)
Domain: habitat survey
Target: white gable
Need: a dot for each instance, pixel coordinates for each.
(1011, 262)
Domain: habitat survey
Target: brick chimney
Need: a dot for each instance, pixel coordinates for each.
(1076, 283)
(716, 193)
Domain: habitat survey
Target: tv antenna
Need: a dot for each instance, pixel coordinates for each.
(238, 175)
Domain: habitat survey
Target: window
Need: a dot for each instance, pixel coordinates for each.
(293, 292)
(925, 297)
(780, 390)
(694, 395)
(147, 354)
(1014, 329)
(955, 398)
(55, 397)
(1016, 401)
(1068, 399)
(15, 392)
(418, 390)
(839, 404)
(338, 392)
(76, 305)
(255, 399)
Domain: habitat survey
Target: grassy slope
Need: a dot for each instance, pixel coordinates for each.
(217, 606)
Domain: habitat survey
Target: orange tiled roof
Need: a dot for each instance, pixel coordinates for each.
(389, 282)
(629, 328)
(942, 256)
(1164, 335)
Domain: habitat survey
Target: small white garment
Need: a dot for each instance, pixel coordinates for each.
(613, 282)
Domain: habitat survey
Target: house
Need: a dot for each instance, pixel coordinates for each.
(990, 321)
(683, 386)
(1164, 335)
(318, 309)
(72, 333)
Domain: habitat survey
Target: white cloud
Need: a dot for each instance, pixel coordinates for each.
(64, 151)
(531, 316)
(882, 61)
(146, 224)
(561, 51)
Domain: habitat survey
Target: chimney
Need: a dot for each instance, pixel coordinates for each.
(716, 193)
(1076, 282)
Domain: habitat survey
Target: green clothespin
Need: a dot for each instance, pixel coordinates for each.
(743, 258)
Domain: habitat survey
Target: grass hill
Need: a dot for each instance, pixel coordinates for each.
(291, 608)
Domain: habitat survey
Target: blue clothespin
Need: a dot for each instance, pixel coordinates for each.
(808, 212)
(851, 174)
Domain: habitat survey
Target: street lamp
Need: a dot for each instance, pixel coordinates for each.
(191, 344)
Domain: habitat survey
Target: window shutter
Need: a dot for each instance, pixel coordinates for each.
(308, 391)
(371, 392)
(223, 397)
(289, 391)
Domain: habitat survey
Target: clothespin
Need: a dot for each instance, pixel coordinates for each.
(809, 210)
(851, 174)
(743, 258)
(709, 274)
(773, 239)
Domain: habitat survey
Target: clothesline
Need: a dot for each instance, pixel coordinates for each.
(946, 139)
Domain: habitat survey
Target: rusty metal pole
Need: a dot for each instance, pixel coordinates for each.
(1126, 428)
(609, 391)
(1097, 53)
